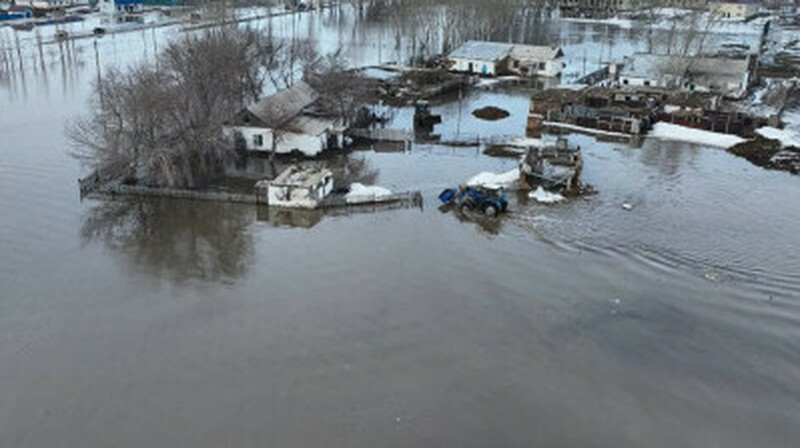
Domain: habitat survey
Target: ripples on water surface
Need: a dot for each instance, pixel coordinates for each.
(170, 323)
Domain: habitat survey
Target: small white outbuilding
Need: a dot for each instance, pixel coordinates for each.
(297, 187)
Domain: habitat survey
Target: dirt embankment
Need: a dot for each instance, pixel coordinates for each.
(767, 153)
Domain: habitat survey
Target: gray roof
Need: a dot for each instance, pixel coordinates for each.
(280, 107)
(482, 51)
(535, 53)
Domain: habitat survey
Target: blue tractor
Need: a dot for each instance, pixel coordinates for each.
(490, 201)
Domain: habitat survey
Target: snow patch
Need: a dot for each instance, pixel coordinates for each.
(785, 136)
(593, 131)
(360, 193)
(495, 180)
(545, 197)
(669, 131)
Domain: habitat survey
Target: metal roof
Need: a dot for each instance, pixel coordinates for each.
(646, 65)
(482, 51)
(278, 108)
(535, 53)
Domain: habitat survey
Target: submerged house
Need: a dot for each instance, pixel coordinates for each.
(552, 167)
(484, 58)
(730, 77)
(497, 58)
(532, 60)
(120, 7)
(297, 187)
(286, 122)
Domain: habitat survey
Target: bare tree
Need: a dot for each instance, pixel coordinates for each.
(162, 124)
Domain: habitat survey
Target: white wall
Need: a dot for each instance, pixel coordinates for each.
(462, 65)
(299, 197)
(287, 141)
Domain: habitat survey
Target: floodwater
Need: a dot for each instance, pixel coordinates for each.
(170, 323)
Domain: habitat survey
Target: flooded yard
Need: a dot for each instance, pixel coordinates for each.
(162, 322)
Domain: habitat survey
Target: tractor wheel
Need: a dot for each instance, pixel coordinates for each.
(490, 210)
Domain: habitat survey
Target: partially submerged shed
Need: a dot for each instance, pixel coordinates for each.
(297, 187)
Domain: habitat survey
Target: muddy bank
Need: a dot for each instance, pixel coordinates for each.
(767, 153)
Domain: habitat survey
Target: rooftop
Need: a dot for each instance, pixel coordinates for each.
(296, 176)
(280, 107)
(482, 51)
(535, 52)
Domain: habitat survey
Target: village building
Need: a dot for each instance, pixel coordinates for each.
(592, 108)
(530, 60)
(497, 58)
(297, 187)
(728, 77)
(484, 58)
(735, 9)
(120, 7)
(286, 122)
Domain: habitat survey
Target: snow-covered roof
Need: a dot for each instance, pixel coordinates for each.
(482, 51)
(535, 53)
(296, 176)
(280, 107)
(646, 65)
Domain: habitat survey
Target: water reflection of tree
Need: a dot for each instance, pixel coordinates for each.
(179, 239)
(667, 157)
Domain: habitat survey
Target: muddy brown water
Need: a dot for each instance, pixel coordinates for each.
(171, 323)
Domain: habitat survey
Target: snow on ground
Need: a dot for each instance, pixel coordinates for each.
(360, 193)
(669, 131)
(593, 131)
(625, 24)
(679, 19)
(787, 137)
(545, 197)
(494, 180)
(791, 119)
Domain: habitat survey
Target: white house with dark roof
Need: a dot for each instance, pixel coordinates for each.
(536, 60)
(726, 76)
(497, 58)
(284, 123)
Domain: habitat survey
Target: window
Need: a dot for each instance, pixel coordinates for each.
(625, 81)
(541, 65)
(258, 140)
(647, 83)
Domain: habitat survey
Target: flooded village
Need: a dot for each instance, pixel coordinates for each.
(399, 222)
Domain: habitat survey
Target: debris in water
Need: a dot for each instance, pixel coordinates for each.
(490, 113)
(545, 197)
(627, 206)
(487, 179)
(360, 193)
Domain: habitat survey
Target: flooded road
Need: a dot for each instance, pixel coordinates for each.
(172, 323)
